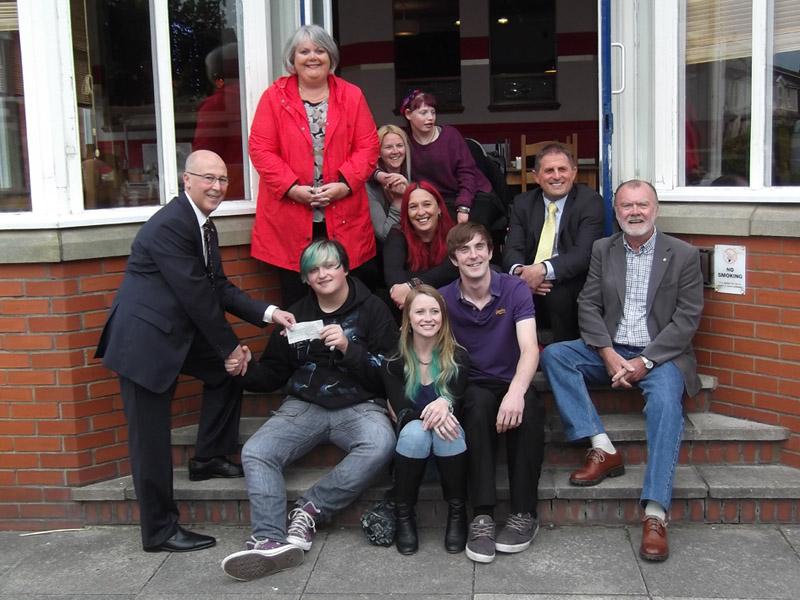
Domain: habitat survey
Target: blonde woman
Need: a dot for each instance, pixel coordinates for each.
(425, 383)
(385, 189)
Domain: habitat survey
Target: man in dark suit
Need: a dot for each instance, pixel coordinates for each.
(550, 236)
(639, 310)
(169, 318)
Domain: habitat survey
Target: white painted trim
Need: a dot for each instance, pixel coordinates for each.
(165, 107)
(579, 57)
(760, 87)
(474, 62)
(732, 194)
(667, 56)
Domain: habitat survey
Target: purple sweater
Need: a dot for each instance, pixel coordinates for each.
(448, 164)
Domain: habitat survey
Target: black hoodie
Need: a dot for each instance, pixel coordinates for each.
(331, 379)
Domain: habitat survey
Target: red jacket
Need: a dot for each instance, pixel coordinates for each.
(282, 153)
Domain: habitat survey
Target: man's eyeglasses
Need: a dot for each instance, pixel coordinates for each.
(210, 179)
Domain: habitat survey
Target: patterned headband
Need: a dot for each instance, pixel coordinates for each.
(408, 100)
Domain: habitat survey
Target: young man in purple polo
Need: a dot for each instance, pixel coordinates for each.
(492, 316)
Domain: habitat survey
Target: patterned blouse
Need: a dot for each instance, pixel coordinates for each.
(317, 119)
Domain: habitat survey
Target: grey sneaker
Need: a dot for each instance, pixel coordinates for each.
(264, 558)
(480, 545)
(302, 525)
(518, 533)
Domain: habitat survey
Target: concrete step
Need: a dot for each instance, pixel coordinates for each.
(707, 438)
(703, 493)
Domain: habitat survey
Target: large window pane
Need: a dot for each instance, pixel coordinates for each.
(206, 88)
(116, 109)
(785, 92)
(14, 176)
(718, 76)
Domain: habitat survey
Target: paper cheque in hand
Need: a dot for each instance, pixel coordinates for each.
(307, 330)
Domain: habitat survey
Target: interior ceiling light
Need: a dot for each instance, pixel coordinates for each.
(502, 20)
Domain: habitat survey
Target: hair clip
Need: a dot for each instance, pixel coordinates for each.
(409, 99)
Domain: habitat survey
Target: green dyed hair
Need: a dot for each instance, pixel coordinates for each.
(318, 253)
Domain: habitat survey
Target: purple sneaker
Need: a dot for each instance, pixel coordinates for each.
(302, 525)
(264, 558)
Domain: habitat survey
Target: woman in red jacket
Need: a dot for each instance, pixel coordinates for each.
(314, 144)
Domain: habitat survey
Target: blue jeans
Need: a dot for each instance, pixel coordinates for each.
(362, 430)
(414, 442)
(570, 366)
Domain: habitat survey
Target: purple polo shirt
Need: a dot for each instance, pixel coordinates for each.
(490, 334)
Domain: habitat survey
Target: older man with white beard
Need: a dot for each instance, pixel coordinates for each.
(638, 312)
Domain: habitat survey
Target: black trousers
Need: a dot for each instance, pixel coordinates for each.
(148, 416)
(558, 310)
(524, 446)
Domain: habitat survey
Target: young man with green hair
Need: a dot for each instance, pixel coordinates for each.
(334, 395)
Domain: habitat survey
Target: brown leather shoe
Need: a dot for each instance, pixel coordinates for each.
(599, 465)
(654, 545)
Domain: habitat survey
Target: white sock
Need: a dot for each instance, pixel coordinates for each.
(602, 441)
(654, 509)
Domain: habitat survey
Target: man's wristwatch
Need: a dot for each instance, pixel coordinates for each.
(648, 364)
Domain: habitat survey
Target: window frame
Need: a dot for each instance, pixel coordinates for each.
(52, 119)
(669, 112)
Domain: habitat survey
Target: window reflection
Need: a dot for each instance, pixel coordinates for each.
(205, 72)
(15, 192)
(786, 94)
(116, 111)
(718, 80)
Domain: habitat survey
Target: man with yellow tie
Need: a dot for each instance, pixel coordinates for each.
(550, 236)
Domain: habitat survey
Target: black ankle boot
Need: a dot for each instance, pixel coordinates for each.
(455, 535)
(406, 533)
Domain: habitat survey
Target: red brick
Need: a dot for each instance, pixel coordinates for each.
(19, 394)
(23, 271)
(78, 304)
(108, 387)
(747, 511)
(766, 245)
(20, 461)
(38, 444)
(55, 324)
(81, 374)
(778, 332)
(92, 474)
(100, 283)
(57, 494)
(76, 268)
(31, 377)
(703, 339)
(86, 408)
(56, 360)
(94, 320)
(784, 510)
(115, 419)
(24, 306)
(12, 325)
(778, 298)
(724, 326)
(8, 511)
(14, 360)
(81, 339)
(115, 264)
(791, 388)
(726, 394)
(17, 427)
(790, 352)
(790, 459)
(778, 403)
(39, 477)
(110, 453)
(752, 414)
(755, 382)
(36, 410)
(67, 460)
(736, 362)
(747, 312)
(62, 393)
(782, 263)
(718, 309)
(11, 288)
(90, 440)
(62, 427)
(52, 288)
(44, 511)
(26, 342)
(20, 494)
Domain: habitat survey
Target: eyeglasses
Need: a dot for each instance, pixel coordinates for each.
(210, 179)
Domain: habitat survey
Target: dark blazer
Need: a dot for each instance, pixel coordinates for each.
(581, 224)
(674, 301)
(166, 299)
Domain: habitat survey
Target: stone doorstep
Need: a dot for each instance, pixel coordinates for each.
(691, 482)
(625, 427)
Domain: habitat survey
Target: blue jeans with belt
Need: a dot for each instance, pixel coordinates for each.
(363, 431)
(571, 366)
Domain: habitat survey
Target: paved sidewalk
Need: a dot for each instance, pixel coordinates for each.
(570, 562)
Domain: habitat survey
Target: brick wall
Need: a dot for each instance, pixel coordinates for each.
(61, 419)
(751, 343)
(61, 423)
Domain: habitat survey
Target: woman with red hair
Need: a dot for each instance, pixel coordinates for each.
(417, 252)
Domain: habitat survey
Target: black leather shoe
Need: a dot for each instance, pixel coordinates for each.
(405, 537)
(219, 466)
(184, 541)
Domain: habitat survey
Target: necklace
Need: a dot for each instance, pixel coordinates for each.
(431, 138)
(422, 362)
(313, 96)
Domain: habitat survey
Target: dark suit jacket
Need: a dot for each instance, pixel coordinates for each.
(674, 301)
(166, 299)
(581, 224)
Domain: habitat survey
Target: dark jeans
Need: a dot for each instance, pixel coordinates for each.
(524, 446)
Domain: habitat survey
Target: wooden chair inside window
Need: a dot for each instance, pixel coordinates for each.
(531, 150)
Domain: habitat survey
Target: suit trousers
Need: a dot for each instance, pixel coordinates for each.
(524, 446)
(558, 310)
(148, 416)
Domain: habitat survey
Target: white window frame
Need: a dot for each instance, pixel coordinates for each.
(669, 119)
(52, 120)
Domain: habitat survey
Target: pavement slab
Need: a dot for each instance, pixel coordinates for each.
(349, 565)
(98, 561)
(792, 533)
(564, 561)
(724, 561)
(555, 597)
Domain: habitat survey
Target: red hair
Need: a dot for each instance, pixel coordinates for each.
(422, 256)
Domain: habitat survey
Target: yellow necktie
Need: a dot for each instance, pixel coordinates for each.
(548, 237)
